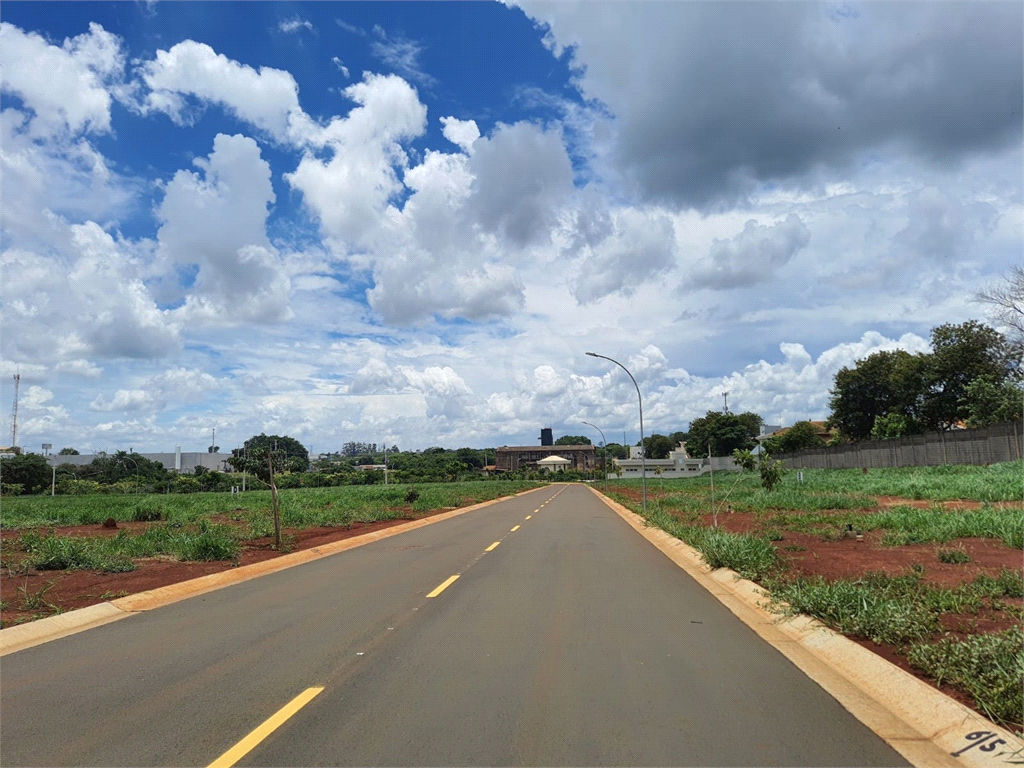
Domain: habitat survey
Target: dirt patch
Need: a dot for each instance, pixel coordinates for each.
(36, 594)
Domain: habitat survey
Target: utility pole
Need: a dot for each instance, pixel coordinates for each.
(14, 412)
(213, 440)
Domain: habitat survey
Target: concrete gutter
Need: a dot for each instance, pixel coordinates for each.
(22, 636)
(920, 722)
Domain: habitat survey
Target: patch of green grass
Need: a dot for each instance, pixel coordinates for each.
(115, 554)
(1007, 584)
(71, 553)
(847, 488)
(888, 609)
(33, 601)
(872, 608)
(990, 667)
(752, 557)
(300, 507)
(908, 525)
(954, 555)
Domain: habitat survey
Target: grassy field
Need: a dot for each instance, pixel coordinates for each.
(904, 610)
(300, 507)
(208, 526)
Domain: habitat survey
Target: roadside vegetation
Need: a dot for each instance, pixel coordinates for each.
(300, 507)
(944, 632)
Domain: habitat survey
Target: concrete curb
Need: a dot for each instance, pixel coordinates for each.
(18, 638)
(921, 723)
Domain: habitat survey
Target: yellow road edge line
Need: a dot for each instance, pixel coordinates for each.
(514, 529)
(495, 544)
(267, 727)
(443, 585)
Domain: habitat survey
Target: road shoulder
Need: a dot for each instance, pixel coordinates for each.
(921, 723)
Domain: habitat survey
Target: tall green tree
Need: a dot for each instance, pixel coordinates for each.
(723, 433)
(289, 447)
(573, 440)
(961, 354)
(879, 384)
(800, 436)
(617, 451)
(658, 446)
(988, 402)
(470, 457)
(123, 466)
(29, 470)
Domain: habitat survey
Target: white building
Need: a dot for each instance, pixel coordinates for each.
(553, 464)
(178, 461)
(678, 464)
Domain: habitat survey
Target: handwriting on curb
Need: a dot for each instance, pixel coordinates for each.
(984, 739)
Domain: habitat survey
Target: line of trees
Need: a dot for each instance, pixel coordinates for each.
(970, 378)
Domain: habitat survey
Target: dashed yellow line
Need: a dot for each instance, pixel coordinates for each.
(493, 546)
(443, 585)
(529, 516)
(271, 724)
(515, 529)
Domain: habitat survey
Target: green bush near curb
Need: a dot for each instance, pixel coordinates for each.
(990, 667)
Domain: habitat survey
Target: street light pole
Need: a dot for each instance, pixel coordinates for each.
(604, 453)
(643, 456)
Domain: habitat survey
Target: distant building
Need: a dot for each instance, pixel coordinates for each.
(511, 458)
(553, 464)
(546, 436)
(178, 461)
(678, 464)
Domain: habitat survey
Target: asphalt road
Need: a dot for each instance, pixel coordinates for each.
(571, 642)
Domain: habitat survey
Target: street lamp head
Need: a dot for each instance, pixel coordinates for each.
(593, 354)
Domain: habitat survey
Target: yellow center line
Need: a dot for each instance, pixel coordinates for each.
(495, 544)
(515, 529)
(536, 511)
(271, 724)
(443, 585)
(529, 516)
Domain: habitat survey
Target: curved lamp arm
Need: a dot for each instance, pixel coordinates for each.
(643, 452)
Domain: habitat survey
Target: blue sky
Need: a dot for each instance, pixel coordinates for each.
(407, 222)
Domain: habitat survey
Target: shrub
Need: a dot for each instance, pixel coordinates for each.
(876, 607)
(752, 557)
(214, 543)
(745, 460)
(143, 514)
(956, 555)
(412, 496)
(66, 553)
(69, 487)
(990, 667)
(771, 472)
